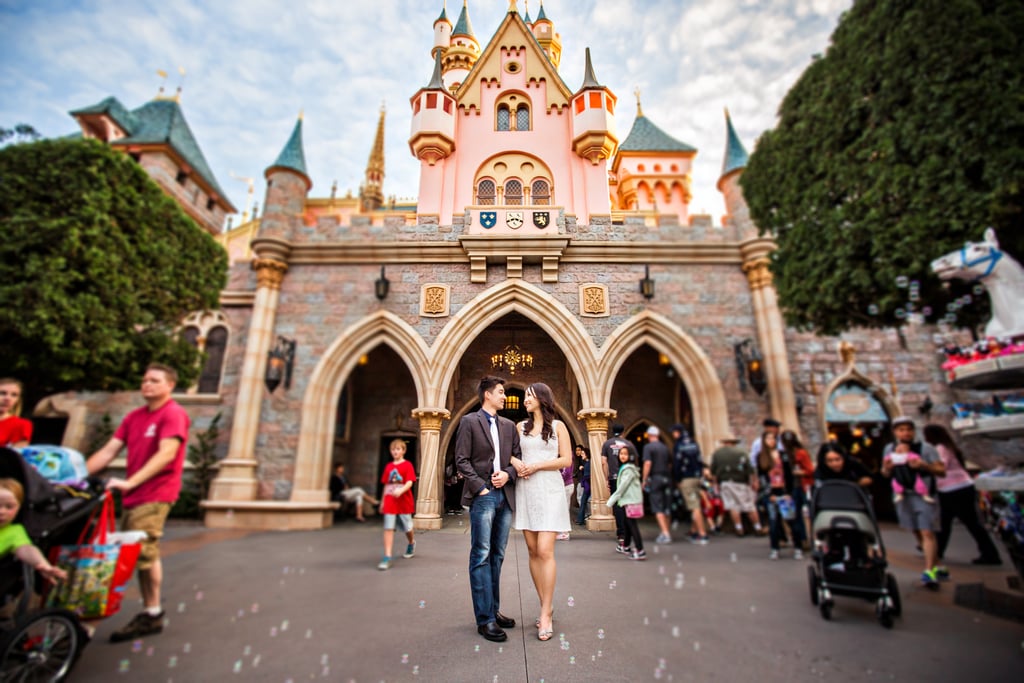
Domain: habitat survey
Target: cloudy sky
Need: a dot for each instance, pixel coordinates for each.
(251, 66)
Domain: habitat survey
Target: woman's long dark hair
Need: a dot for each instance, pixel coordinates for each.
(542, 392)
(831, 447)
(764, 459)
(790, 442)
(938, 435)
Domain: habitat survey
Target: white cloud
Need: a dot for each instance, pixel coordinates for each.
(252, 64)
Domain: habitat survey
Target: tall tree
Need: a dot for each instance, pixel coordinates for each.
(900, 144)
(97, 268)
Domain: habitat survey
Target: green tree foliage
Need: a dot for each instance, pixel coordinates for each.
(97, 268)
(22, 132)
(900, 144)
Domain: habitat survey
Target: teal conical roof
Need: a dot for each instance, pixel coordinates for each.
(292, 155)
(735, 154)
(647, 137)
(463, 26)
(444, 15)
(436, 82)
(540, 15)
(158, 122)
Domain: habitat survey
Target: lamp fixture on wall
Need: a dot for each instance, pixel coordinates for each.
(647, 284)
(381, 286)
(280, 361)
(511, 358)
(750, 366)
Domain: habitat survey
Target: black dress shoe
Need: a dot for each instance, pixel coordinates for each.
(503, 621)
(490, 631)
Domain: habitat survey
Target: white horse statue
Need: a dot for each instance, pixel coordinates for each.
(1002, 276)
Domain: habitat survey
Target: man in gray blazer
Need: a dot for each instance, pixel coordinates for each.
(489, 492)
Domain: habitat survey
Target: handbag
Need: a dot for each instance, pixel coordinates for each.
(787, 507)
(634, 510)
(98, 566)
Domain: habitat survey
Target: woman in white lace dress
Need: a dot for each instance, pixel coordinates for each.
(541, 512)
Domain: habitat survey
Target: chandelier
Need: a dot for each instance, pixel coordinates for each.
(511, 358)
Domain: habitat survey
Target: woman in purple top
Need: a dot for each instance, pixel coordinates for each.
(958, 499)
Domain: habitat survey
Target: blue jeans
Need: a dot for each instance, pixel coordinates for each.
(581, 516)
(490, 519)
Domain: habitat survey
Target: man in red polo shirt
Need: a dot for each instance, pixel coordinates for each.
(155, 437)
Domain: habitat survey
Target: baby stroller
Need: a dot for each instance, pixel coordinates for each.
(849, 557)
(39, 644)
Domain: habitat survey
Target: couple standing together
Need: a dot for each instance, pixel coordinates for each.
(511, 474)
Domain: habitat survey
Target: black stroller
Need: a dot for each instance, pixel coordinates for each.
(39, 644)
(849, 557)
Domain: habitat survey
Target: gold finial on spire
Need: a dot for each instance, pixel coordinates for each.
(639, 111)
(512, 6)
(302, 114)
(163, 79)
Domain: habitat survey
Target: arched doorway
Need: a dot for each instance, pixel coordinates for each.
(856, 418)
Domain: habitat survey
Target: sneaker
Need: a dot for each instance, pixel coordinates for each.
(701, 540)
(773, 555)
(385, 563)
(930, 580)
(663, 539)
(798, 554)
(941, 572)
(638, 555)
(622, 548)
(410, 550)
(142, 624)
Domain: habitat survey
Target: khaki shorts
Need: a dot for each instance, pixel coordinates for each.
(690, 488)
(148, 517)
(737, 496)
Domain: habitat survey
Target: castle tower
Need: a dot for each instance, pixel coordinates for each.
(432, 137)
(371, 194)
(287, 186)
(550, 41)
(462, 52)
(735, 160)
(593, 135)
(652, 170)
(442, 34)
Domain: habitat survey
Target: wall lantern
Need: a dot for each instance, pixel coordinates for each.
(750, 367)
(647, 284)
(381, 286)
(280, 361)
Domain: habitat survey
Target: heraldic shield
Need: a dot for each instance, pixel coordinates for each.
(488, 219)
(514, 219)
(541, 219)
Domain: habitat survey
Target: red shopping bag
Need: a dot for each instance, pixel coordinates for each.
(98, 567)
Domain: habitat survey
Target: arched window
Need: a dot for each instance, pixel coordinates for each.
(485, 192)
(503, 117)
(513, 192)
(540, 193)
(522, 117)
(216, 345)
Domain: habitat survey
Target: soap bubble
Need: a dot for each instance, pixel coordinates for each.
(405, 659)
(124, 666)
(273, 631)
(423, 603)
(872, 309)
(703, 581)
(186, 648)
(675, 631)
(136, 646)
(571, 601)
(926, 311)
(572, 659)
(238, 666)
(732, 557)
(181, 607)
(172, 662)
(900, 314)
(600, 634)
(978, 290)
(247, 650)
(696, 646)
(902, 281)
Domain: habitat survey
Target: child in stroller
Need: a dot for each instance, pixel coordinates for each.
(849, 557)
(37, 643)
(13, 537)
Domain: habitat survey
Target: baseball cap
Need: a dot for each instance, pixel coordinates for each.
(653, 431)
(903, 420)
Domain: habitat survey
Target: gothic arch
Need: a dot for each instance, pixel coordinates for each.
(506, 297)
(851, 375)
(710, 411)
(313, 458)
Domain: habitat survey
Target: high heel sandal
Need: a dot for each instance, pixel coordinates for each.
(537, 622)
(545, 634)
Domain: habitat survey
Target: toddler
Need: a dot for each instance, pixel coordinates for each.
(905, 477)
(13, 537)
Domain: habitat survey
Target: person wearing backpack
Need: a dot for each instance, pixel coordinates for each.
(687, 466)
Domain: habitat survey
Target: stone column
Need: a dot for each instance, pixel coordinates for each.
(236, 478)
(430, 494)
(770, 333)
(601, 519)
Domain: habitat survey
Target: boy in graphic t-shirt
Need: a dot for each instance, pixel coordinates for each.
(397, 502)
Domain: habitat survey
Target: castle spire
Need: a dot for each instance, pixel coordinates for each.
(589, 79)
(371, 195)
(735, 154)
(639, 111)
(293, 157)
(463, 26)
(436, 82)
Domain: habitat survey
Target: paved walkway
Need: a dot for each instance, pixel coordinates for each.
(307, 606)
